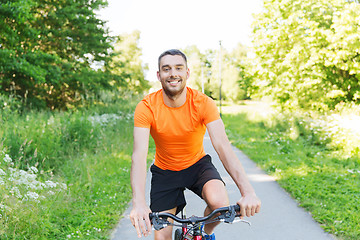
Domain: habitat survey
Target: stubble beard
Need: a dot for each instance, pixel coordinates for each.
(173, 94)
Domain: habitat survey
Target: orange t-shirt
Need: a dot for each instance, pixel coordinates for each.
(178, 132)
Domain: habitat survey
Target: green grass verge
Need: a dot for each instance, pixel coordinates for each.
(89, 150)
(324, 181)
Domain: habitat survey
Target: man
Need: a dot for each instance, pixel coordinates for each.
(177, 118)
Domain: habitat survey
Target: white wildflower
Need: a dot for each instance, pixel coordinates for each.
(36, 185)
(32, 195)
(2, 172)
(15, 192)
(34, 169)
(7, 158)
(50, 184)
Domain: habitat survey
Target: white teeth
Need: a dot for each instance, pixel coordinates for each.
(174, 82)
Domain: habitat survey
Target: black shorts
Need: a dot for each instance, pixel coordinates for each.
(167, 187)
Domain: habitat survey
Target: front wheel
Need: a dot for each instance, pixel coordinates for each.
(178, 234)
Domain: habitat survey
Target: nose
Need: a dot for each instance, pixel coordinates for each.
(173, 73)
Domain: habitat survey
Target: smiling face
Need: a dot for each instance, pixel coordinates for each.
(173, 74)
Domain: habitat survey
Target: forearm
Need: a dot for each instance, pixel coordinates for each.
(139, 215)
(228, 157)
(235, 169)
(138, 178)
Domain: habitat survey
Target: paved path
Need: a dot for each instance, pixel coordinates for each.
(280, 217)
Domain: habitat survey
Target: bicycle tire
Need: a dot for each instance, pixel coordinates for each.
(178, 234)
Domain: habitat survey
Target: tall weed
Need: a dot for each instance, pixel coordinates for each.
(89, 150)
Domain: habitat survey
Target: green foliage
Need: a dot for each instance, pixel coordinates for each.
(8, 106)
(126, 62)
(322, 174)
(89, 150)
(308, 52)
(54, 53)
(25, 195)
(33, 138)
(199, 70)
(240, 87)
(235, 72)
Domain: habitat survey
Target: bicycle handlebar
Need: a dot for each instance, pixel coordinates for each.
(227, 213)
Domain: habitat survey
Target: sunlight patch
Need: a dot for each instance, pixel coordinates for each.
(261, 178)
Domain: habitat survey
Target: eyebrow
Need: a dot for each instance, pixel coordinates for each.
(177, 65)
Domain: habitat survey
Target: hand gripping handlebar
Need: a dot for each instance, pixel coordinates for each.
(228, 214)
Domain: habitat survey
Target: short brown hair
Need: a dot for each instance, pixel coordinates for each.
(172, 52)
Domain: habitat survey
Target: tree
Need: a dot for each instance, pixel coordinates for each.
(297, 44)
(126, 62)
(195, 63)
(49, 49)
(234, 76)
(240, 61)
(236, 82)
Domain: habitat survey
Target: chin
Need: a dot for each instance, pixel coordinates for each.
(173, 92)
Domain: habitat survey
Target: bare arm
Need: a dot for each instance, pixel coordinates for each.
(139, 215)
(249, 203)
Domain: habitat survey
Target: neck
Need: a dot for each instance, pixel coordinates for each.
(175, 101)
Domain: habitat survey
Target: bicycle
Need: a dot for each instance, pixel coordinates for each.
(190, 228)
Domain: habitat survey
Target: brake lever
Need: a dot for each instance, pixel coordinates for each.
(159, 223)
(230, 215)
(243, 221)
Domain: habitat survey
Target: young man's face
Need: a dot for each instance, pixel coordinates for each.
(173, 74)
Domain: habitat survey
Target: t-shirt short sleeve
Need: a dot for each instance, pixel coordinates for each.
(143, 115)
(210, 111)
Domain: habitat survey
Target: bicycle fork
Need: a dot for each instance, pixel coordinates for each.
(197, 234)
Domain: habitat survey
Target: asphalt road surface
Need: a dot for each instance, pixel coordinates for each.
(280, 217)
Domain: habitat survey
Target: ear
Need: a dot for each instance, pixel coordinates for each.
(188, 73)
(158, 75)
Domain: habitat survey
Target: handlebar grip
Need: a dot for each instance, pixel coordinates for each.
(237, 208)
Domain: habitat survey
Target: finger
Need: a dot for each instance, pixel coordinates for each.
(242, 212)
(136, 225)
(132, 220)
(142, 226)
(248, 211)
(148, 225)
(253, 211)
(258, 208)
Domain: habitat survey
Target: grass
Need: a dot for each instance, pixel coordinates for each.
(88, 151)
(324, 178)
